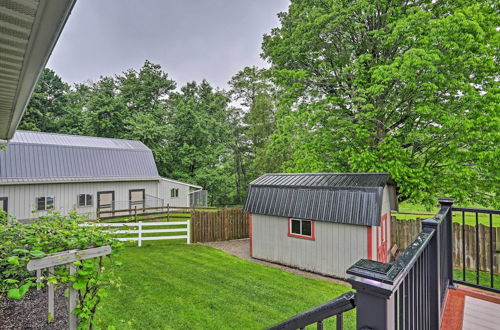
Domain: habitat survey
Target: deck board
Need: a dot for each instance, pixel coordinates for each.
(468, 308)
(480, 314)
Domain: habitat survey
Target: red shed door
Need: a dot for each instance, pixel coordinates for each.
(382, 240)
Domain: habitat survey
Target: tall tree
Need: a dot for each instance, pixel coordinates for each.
(198, 137)
(47, 105)
(145, 93)
(406, 87)
(254, 122)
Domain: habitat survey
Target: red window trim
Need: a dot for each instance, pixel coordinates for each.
(370, 243)
(313, 233)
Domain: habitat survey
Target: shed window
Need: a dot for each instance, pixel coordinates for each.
(45, 203)
(84, 200)
(301, 228)
(174, 192)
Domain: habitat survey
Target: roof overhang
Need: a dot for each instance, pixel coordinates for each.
(183, 183)
(29, 30)
(17, 181)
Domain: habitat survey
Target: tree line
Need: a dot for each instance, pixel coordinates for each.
(409, 88)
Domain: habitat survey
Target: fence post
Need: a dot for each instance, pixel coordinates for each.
(188, 231)
(135, 213)
(73, 301)
(51, 297)
(140, 233)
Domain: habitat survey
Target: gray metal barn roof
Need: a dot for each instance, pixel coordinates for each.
(47, 157)
(353, 198)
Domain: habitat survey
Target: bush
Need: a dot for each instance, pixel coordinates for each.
(19, 243)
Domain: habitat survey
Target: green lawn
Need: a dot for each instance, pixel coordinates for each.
(170, 285)
(470, 218)
(470, 276)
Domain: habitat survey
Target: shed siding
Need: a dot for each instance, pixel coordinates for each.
(336, 247)
(22, 198)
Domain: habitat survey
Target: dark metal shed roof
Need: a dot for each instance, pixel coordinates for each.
(47, 157)
(352, 198)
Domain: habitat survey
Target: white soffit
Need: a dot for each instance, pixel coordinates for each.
(29, 30)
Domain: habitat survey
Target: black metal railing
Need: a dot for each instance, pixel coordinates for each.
(319, 314)
(410, 292)
(481, 278)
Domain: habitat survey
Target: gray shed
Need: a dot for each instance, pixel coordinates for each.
(321, 222)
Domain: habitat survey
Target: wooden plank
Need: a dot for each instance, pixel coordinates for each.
(67, 257)
(73, 301)
(50, 314)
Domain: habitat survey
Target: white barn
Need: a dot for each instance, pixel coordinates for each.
(45, 172)
(321, 222)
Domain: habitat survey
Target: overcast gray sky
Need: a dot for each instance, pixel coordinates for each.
(191, 39)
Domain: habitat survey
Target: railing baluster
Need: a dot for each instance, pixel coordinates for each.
(463, 245)
(492, 265)
(319, 325)
(477, 248)
(340, 322)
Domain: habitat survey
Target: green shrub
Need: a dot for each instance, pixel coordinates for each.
(19, 243)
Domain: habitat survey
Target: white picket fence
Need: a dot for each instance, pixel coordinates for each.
(138, 228)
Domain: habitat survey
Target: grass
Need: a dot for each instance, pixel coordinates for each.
(470, 276)
(470, 218)
(169, 285)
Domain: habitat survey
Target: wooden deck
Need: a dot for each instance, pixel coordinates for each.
(468, 308)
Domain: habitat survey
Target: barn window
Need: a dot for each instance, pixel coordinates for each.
(174, 192)
(44, 203)
(84, 200)
(301, 228)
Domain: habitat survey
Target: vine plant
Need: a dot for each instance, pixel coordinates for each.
(19, 243)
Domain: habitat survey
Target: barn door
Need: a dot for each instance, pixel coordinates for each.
(382, 240)
(3, 203)
(106, 201)
(136, 198)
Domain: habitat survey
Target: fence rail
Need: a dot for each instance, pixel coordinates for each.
(139, 211)
(140, 231)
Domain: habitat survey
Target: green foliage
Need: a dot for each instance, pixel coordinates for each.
(48, 104)
(410, 88)
(198, 136)
(19, 243)
(253, 123)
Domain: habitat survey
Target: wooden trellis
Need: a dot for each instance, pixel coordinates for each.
(59, 259)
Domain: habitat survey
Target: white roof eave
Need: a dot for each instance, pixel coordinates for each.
(50, 19)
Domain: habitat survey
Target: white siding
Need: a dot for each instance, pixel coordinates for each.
(336, 247)
(22, 198)
(164, 188)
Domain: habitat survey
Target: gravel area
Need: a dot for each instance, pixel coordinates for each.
(241, 249)
(30, 312)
